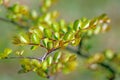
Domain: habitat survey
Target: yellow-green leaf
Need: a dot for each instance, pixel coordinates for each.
(48, 33)
(34, 47)
(57, 35)
(50, 45)
(36, 63)
(44, 65)
(85, 24)
(42, 73)
(77, 25)
(68, 36)
(56, 57)
(49, 60)
(55, 27)
(35, 38)
(6, 53)
(24, 38)
(45, 41)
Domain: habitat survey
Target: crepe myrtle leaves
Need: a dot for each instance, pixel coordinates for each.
(59, 34)
(45, 30)
(51, 65)
(53, 35)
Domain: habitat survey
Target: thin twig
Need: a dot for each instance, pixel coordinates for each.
(46, 54)
(39, 58)
(13, 22)
(21, 57)
(110, 69)
(36, 45)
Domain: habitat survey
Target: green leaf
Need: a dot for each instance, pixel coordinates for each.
(85, 24)
(24, 38)
(55, 27)
(45, 41)
(36, 63)
(35, 38)
(68, 35)
(94, 22)
(44, 65)
(49, 60)
(56, 44)
(64, 30)
(26, 64)
(76, 41)
(33, 47)
(6, 53)
(76, 25)
(56, 57)
(16, 8)
(38, 32)
(47, 18)
(57, 35)
(50, 45)
(47, 33)
(42, 73)
(70, 28)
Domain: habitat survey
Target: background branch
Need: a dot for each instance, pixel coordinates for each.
(104, 65)
(21, 57)
(13, 22)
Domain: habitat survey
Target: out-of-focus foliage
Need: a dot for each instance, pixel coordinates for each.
(5, 54)
(52, 65)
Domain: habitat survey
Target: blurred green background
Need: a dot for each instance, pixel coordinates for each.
(70, 10)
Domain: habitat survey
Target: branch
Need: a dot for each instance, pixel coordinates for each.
(39, 58)
(106, 66)
(13, 22)
(77, 52)
(110, 69)
(21, 57)
(46, 54)
(33, 44)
